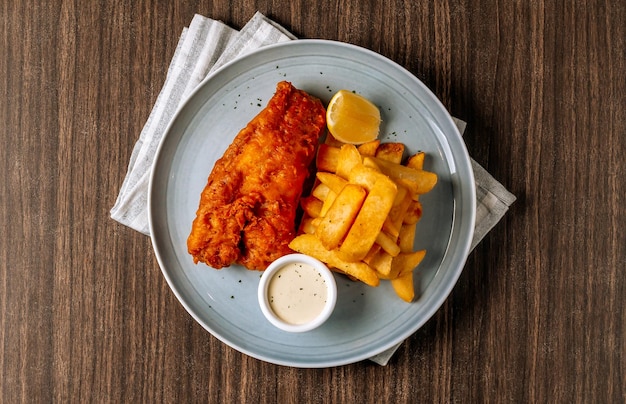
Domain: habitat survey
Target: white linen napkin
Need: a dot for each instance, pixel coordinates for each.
(202, 48)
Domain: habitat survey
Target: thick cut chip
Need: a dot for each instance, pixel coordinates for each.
(321, 191)
(413, 213)
(406, 238)
(369, 221)
(311, 245)
(311, 206)
(418, 181)
(370, 163)
(403, 286)
(339, 218)
(416, 161)
(406, 262)
(388, 244)
(328, 202)
(327, 157)
(400, 196)
(308, 225)
(390, 228)
(391, 152)
(399, 210)
(369, 148)
(332, 181)
(365, 176)
(381, 262)
(348, 158)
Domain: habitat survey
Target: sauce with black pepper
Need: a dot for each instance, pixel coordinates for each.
(297, 293)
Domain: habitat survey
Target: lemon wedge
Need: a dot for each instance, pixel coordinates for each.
(352, 118)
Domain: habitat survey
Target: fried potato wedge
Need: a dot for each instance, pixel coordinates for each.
(311, 206)
(413, 213)
(391, 152)
(406, 237)
(366, 176)
(332, 181)
(369, 221)
(328, 202)
(381, 262)
(339, 218)
(348, 158)
(406, 262)
(418, 181)
(327, 157)
(400, 208)
(416, 161)
(311, 245)
(403, 286)
(308, 225)
(321, 191)
(388, 244)
(390, 228)
(369, 148)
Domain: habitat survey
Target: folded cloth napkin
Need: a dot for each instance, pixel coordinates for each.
(204, 47)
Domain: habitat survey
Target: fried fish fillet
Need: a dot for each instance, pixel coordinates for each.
(248, 208)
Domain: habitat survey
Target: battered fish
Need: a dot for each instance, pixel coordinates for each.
(248, 208)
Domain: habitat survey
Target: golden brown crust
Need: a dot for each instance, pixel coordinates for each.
(248, 208)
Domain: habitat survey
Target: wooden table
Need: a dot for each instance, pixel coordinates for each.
(537, 315)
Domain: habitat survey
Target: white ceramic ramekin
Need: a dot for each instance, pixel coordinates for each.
(331, 292)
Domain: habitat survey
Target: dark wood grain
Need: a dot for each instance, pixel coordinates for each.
(537, 315)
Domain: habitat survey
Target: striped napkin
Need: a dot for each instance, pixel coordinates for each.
(205, 46)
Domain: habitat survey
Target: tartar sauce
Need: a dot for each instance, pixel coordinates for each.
(297, 293)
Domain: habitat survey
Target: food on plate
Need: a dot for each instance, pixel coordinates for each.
(361, 216)
(352, 118)
(247, 210)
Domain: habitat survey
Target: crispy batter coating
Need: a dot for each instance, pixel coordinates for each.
(248, 208)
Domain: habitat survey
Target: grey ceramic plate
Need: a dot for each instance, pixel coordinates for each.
(367, 320)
